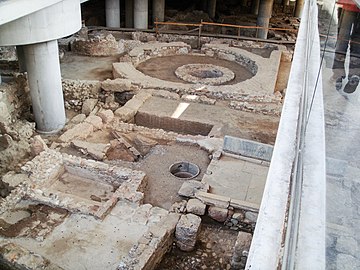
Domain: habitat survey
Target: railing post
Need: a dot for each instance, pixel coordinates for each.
(199, 38)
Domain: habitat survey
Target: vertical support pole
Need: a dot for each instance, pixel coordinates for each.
(211, 8)
(21, 58)
(263, 19)
(158, 8)
(129, 13)
(141, 13)
(43, 67)
(199, 37)
(112, 13)
(255, 7)
(298, 8)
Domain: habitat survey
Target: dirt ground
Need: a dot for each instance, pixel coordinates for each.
(164, 67)
(214, 250)
(162, 186)
(79, 67)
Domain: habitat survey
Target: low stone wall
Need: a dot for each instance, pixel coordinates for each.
(76, 92)
(146, 51)
(98, 45)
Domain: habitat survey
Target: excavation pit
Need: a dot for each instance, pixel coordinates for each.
(184, 170)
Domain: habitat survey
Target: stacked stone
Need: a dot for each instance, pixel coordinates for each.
(187, 231)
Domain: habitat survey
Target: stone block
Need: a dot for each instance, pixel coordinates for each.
(251, 216)
(106, 115)
(77, 119)
(125, 114)
(88, 105)
(95, 150)
(218, 214)
(196, 207)
(80, 131)
(247, 148)
(94, 120)
(213, 199)
(187, 231)
(117, 85)
(243, 205)
(144, 144)
(241, 250)
(191, 187)
(37, 145)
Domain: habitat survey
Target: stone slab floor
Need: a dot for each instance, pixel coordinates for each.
(237, 179)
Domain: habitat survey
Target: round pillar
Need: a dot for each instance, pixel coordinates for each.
(158, 10)
(112, 13)
(255, 7)
(43, 67)
(129, 13)
(263, 19)
(141, 11)
(21, 58)
(298, 8)
(212, 8)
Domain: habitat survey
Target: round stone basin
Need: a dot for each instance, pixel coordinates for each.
(208, 74)
(184, 170)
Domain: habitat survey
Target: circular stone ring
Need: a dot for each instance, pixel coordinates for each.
(204, 74)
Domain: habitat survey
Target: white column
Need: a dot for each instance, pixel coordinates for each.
(158, 10)
(43, 67)
(21, 58)
(129, 13)
(264, 15)
(141, 10)
(112, 13)
(212, 8)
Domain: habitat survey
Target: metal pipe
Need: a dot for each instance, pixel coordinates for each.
(263, 19)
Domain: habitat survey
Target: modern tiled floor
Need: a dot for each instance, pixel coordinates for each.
(342, 117)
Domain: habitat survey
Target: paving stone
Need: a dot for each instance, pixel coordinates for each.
(125, 114)
(117, 85)
(218, 214)
(187, 231)
(196, 207)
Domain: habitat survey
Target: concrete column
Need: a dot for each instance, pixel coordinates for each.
(211, 8)
(204, 5)
(158, 10)
(141, 11)
(255, 7)
(285, 3)
(265, 10)
(129, 13)
(21, 58)
(43, 67)
(112, 13)
(298, 8)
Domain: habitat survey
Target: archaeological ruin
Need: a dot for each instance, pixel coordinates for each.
(138, 134)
